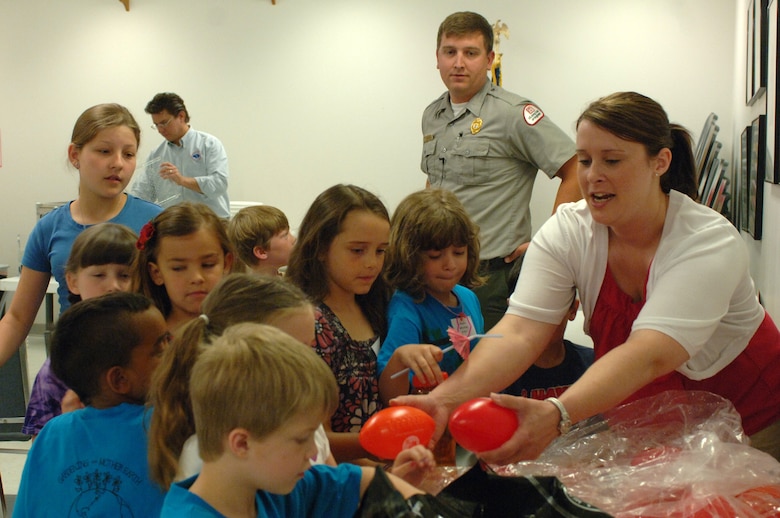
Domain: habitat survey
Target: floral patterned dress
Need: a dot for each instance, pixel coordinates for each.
(354, 365)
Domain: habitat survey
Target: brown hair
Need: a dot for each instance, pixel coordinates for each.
(177, 220)
(261, 365)
(104, 243)
(464, 23)
(431, 219)
(236, 298)
(321, 224)
(636, 118)
(99, 117)
(255, 226)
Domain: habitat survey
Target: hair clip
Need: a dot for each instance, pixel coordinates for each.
(147, 232)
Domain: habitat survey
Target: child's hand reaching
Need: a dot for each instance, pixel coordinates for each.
(423, 360)
(413, 463)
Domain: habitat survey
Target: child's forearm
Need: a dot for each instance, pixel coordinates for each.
(346, 446)
(406, 489)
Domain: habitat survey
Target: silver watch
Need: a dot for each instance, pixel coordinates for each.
(565, 423)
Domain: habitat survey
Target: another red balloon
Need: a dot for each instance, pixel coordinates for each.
(394, 429)
(481, 425)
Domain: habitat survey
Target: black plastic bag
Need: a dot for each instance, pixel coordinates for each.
(382, 500)
(478, 493)
(527, 496)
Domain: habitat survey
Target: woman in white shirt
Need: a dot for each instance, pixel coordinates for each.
(664, 284)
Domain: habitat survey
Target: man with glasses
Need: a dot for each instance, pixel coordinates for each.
(189, 166)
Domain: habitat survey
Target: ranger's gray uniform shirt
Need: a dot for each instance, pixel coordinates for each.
(489, 157)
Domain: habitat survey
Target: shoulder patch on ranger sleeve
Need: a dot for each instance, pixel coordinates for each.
(532, 114)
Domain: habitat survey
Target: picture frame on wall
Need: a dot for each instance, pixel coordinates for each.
(722, 196)
(749, 54)
(713, 179)
(756, 42)
(706, 176)
(743, 197)
(756, 172)
(772, 106)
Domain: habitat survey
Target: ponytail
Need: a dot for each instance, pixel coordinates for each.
(172, 422)
(681, 175)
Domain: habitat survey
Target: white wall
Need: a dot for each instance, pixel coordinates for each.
(308, 93)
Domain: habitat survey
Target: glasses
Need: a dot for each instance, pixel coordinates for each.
(162, 125)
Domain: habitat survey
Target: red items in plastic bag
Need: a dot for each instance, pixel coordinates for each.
(679, 454)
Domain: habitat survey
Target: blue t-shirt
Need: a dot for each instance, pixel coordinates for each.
(50, 241)
(427, 322)
(323, 491)
(90, 462)
(538, 383)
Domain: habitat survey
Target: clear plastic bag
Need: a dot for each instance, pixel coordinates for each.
(680, 454)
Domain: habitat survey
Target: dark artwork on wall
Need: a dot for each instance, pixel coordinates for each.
(756, 172)
(756, 42)
(772, 106)
(742, 180)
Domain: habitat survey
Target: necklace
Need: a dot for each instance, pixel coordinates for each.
(462, 322)
(449, 308)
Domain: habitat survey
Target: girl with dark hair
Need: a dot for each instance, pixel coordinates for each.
(337, 261)
(184, 252)
(432, 261)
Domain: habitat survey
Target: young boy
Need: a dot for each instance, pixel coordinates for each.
(256, 463)
(561, 364)
(261, 236)
(93, 461)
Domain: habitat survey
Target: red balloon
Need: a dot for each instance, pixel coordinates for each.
(481, 425)
(394, 429)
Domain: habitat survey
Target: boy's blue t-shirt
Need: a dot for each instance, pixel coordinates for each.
(90, 462)
(323, 491)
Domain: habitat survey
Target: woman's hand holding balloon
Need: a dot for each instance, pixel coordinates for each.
(431, 406)
(538, 427)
